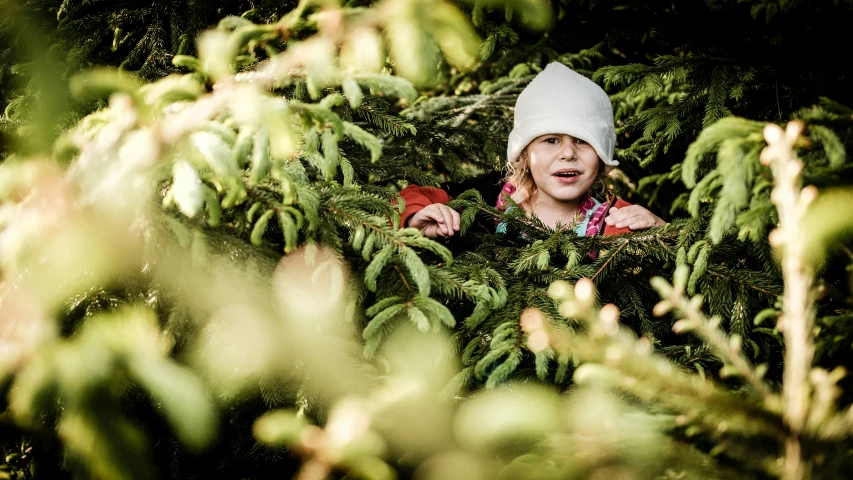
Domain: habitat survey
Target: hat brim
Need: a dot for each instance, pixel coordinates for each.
(522, 135)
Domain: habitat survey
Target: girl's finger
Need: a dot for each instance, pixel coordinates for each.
(430, 232)
(611, 219)
(448, 219)
(433, 215)
(446, 228)
(639, 224)
(625, 213)
(625, 222)
(457, 220)
(610, 215)
(435, 211)
(617, 217)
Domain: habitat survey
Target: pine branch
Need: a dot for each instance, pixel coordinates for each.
(609, 259)
(728, 349)
(798, 301)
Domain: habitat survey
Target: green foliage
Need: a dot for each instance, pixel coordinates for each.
(280, 143)
(620, 266)
(271, 170)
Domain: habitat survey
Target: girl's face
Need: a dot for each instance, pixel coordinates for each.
(563, 167)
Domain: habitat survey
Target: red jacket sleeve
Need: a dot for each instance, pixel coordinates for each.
(419, 197)
(610, 230)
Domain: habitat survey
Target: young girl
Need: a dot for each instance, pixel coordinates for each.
(562, 141)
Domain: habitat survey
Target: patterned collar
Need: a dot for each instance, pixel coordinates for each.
(593, 211)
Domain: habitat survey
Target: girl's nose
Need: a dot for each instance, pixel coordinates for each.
(568, 144)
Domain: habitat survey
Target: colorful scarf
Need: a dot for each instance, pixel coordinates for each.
(592, 208)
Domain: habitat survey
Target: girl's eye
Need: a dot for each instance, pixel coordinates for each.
(580, 141)
(552, 140)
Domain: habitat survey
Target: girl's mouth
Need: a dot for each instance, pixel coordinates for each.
(567, 176)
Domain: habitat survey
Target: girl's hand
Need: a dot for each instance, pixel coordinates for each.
(436, 220)
(634, 217)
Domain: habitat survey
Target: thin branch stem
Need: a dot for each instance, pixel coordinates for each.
(610, 259)
(717, 339)
(403, 278)
(469, 110)
(743, 284)
(797, 319)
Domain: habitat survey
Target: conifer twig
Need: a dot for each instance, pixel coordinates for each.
(709, 330)
(403, 278)
(624, 244)
(711, 269)
(797, 319)
(469, 110)
(630, 364)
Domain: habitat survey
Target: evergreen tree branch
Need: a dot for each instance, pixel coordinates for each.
(798, 312)
(610, 258)
(403, 279)
(729, 350)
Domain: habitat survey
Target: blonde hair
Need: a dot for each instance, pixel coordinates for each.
(520, 177)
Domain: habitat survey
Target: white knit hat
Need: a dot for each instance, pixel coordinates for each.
(560, 100)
